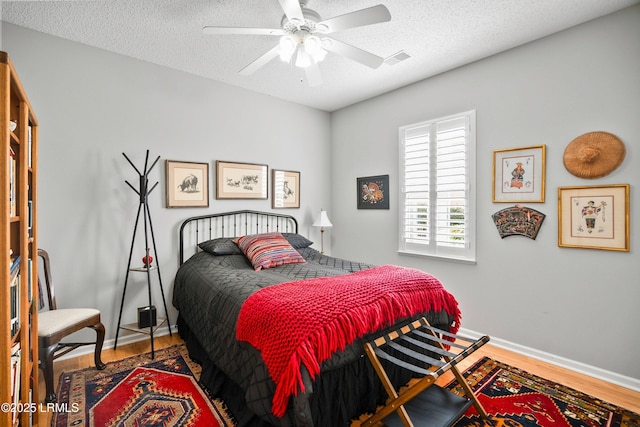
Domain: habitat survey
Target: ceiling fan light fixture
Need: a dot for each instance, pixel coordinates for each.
(312, 44)
(287, 46)
(307, 48)
(303, 59)
(313, 47)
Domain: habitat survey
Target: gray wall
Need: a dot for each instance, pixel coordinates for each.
(573, 303)
(92, 106)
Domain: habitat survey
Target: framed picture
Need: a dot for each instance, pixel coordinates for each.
(594, 217)
(241, 180)
(187, 184)
(373, 192)
(285, 191)
(518, 174)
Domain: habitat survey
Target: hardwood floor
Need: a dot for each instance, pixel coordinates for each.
(612, 393)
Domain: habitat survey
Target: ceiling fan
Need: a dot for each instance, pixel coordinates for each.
(303, 40)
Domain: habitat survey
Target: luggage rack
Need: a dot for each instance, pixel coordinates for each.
(428, 352)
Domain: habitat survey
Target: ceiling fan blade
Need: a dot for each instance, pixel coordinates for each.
(313, 74)
(293, 11)
(260, 62)
(243, 30)
(359, 18)
(352, 52)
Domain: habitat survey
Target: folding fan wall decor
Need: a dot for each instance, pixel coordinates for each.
(518, 221)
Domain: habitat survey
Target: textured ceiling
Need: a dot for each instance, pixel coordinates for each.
(439, 35)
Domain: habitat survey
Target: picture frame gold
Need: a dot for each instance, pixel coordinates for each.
(594, 217)
(187, 184)
(519, 175)
(241, 180)
(285, 189)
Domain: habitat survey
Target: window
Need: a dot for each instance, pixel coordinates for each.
(437, 188)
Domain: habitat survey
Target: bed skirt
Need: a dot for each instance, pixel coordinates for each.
(336, 396)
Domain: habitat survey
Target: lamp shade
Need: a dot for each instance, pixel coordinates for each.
(306, 47)
(288, 45)
(322, 220)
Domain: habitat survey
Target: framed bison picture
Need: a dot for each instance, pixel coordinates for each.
(187, 184)
(373, 192)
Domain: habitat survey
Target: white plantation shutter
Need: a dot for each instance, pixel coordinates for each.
(437, 203)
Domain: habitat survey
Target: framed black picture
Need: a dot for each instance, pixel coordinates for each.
(373, 192)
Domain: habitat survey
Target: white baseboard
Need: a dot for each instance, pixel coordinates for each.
(123, 339)
(583, 368)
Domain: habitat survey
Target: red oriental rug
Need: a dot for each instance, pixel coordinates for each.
(516, 398)
(140, 392)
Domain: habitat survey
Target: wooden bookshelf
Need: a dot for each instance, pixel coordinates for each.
(18, 247)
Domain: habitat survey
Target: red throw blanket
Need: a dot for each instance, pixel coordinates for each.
(306, 321)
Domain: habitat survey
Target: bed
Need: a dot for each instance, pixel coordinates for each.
(218, 287)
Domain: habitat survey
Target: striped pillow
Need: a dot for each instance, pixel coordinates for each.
(268, 250)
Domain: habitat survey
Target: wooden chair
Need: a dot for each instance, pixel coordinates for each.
(55, 324)
(422, 349)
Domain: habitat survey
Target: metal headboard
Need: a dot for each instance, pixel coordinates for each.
(199, 229)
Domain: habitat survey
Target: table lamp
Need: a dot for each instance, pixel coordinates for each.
(323, 222)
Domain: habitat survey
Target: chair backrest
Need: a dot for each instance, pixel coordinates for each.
(48, 280)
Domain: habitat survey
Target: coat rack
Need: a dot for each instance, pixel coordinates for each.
(143, 192)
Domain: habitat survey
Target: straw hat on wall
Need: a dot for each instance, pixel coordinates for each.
(594, 155)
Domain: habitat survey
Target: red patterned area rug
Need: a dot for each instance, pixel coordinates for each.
(140, 392)
(515, 398)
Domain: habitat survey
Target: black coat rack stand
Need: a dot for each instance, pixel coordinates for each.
(143, 208)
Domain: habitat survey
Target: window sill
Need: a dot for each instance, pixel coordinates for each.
(439, 257)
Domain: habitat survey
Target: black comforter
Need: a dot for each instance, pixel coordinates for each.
(209, 292)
